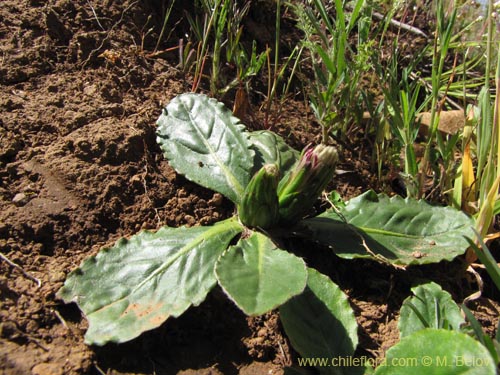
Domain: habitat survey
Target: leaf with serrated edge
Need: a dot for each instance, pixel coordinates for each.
(137, 284)
(426, 297)
(270, 148)
(258, 276)
(397, 230)
(437, 351)
(321, 323)
(208, 145)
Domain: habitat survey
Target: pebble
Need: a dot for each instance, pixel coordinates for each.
(20, 199)
(190, 220)
(47, 369)
(217, 199)
(56, 276)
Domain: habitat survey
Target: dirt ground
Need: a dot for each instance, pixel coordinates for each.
(79, 168)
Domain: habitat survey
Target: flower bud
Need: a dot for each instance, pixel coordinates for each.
(298, 191)
(259, 205)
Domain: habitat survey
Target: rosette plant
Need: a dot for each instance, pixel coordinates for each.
(141, 281)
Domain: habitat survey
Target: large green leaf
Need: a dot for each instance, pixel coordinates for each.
(433, 351)
(431, 307)
(258, 276)
(137, 284)
(397, 230)
(320, 323)
(270, 148)
(203, 141)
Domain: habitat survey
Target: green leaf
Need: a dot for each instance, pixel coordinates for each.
(138, 283)
(203, 141)
(437, 352)
(431, 307)
(320, 323)
(397, 230)
(270, 148)
(258, 276)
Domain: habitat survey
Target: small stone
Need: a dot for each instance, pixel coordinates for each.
(217, 200)
(20, 199)
(47, 369)
(190, 220)
(91, 90)
(262, 332)
(56, 276)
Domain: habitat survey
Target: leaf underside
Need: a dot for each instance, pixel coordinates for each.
(400, 231)
(138, 283)
(258, 276)
(203, 141)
